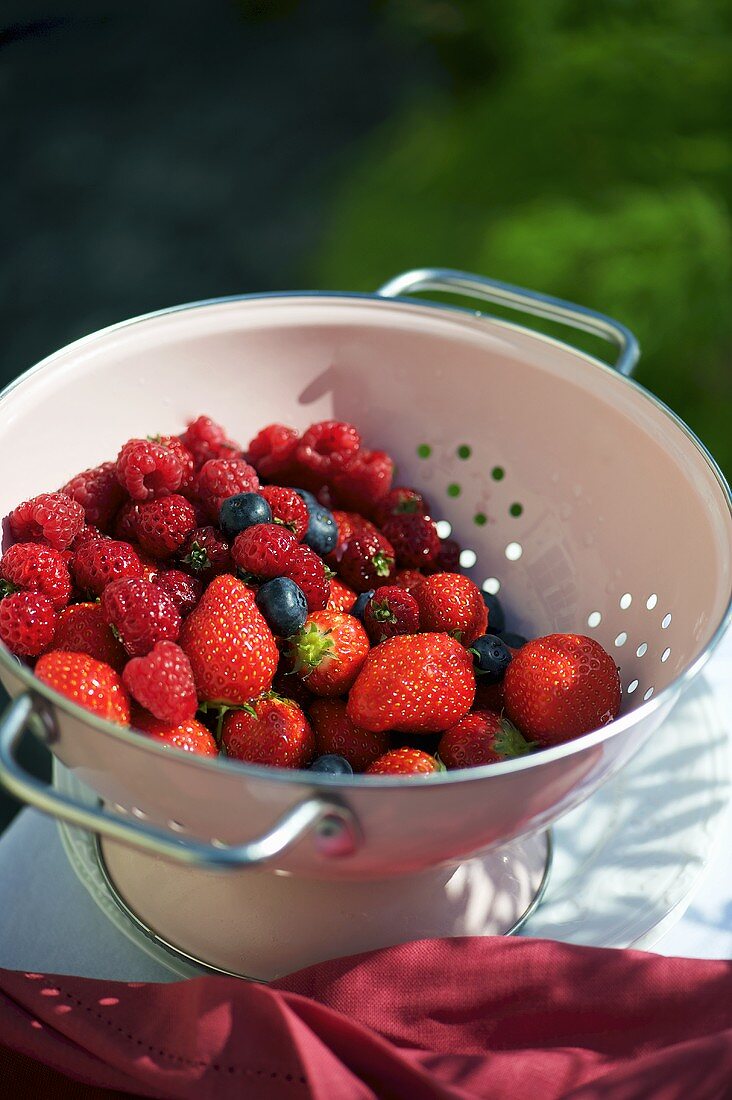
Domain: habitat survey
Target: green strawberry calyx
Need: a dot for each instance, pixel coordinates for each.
(220, 710)
(382, 563)
(309, 648)
(382, 612)
(6, 588)
(197, 557)
(509, 742)
(406, 508)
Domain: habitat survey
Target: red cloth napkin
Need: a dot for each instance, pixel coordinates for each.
(463, 1018)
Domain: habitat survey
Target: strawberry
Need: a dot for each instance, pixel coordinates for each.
(231, 649)
(342, 598)
(409, 579)
(146, 469)
(309, 573)
(206, 553)
(414, 538)
(163, 525)
(54, 517)
(404, 761)
(336, 733)
(269, 730)
(561, 686)
(82, 628)
(205, 439)
(36, 568)
(451, 604)
(98, 492)
(264, 550)
(448, 557)
(329, 651)
(287, 508)
(184, 591)
(162, 682)
(190, 736)
(391, 611)
(90, 684)
(414, 683)
(400, 501)
(365, 482)
(27, 623)
(101, 561)
(488, 696)
(141, 613)
(481, 737)
(348, 524)
(367, 561)
(220, 478)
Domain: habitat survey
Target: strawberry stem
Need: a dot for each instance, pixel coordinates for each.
(382, 563)
(309, 648)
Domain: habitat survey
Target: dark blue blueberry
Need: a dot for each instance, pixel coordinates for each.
(496, 617)
(514, 640)
(491, 658)
(360, 605)
(332, 764)
(242, 511)
(283, 604)
(322, 533)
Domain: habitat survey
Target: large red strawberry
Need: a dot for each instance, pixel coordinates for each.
(231, 649)
(88, 683)
(336, 733)
(404, 761)
(367, 561)
(414, 683)
(162, 682)
(481, 737)
(190, 736)
(390, 611)
(329, 651)
(82, 628)
(561, 686)
(269, 730)
(451, 604)
(310, 574)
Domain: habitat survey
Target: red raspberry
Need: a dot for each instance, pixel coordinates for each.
(448, 558)
(88, 533)
(367, 562)
(27, 623)
(400, 501)
(272, 452)
(264, 550)
(220, 478)
(141, 613)
(50, 516)
(185, 591)
(184, 456)
(147, 469)
(414, 538)
(290, 686)
(205, 439)
(163, 525)
(390, 611)
(82, 628)
(309, 572)
(328, 448)
(287, 508)
(37, 568)
(125, 522)
(96, 564)
(98, 492)
(365, 483)
(162, 682)
(206, 553)
(409, 579)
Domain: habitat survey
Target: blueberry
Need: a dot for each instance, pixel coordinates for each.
(283, 604)
(322, 533)
(496, 617)
(514, 640)
(242, 511)
(332, 764)
(491, 658)
(360, 605)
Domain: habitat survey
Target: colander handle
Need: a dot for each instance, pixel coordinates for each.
(335, 829)
(524, 301)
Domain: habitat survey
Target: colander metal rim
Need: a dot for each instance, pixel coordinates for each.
(361, 782)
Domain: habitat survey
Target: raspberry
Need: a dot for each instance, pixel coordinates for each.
(264, 550)
(205, 439)
(184, 591)
(147, 469)
(400, 501)
(365, 483)
(390, 611)
(96, 564)
(448, 558)
(328, 448)
(125, 522)
(162, 682)
(206, 553)
(409, 579)
(37, 568)
(82, 628)
(220, 478)
(163, 525)
(184, 456)
(141, 613)
(27, 623)
(414, 538)
(50, 516)
(272, 452)
(98, 492)
(287, 508)
(89, 533)
(367, 561)
(309, 572)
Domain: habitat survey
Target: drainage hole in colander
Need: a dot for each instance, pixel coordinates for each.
(631, 687)
(513, 551)
(647, 695)
(120, 809)
(492, 585)
(621, 638)
(138, 812)
(216, 843)
(666, 621)
(626, 600)
(444, 528)
(468, 558)
(594, 618)
(666, 654)
(651, 601)
(176, 826)
(642, 649)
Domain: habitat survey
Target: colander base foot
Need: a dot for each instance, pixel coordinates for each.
(261, 925)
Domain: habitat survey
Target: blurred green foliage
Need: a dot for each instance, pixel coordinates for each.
(578, 147)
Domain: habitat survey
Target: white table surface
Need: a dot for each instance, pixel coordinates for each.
(49, 923)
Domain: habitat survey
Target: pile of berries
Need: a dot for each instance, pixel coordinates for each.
(284, 605)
